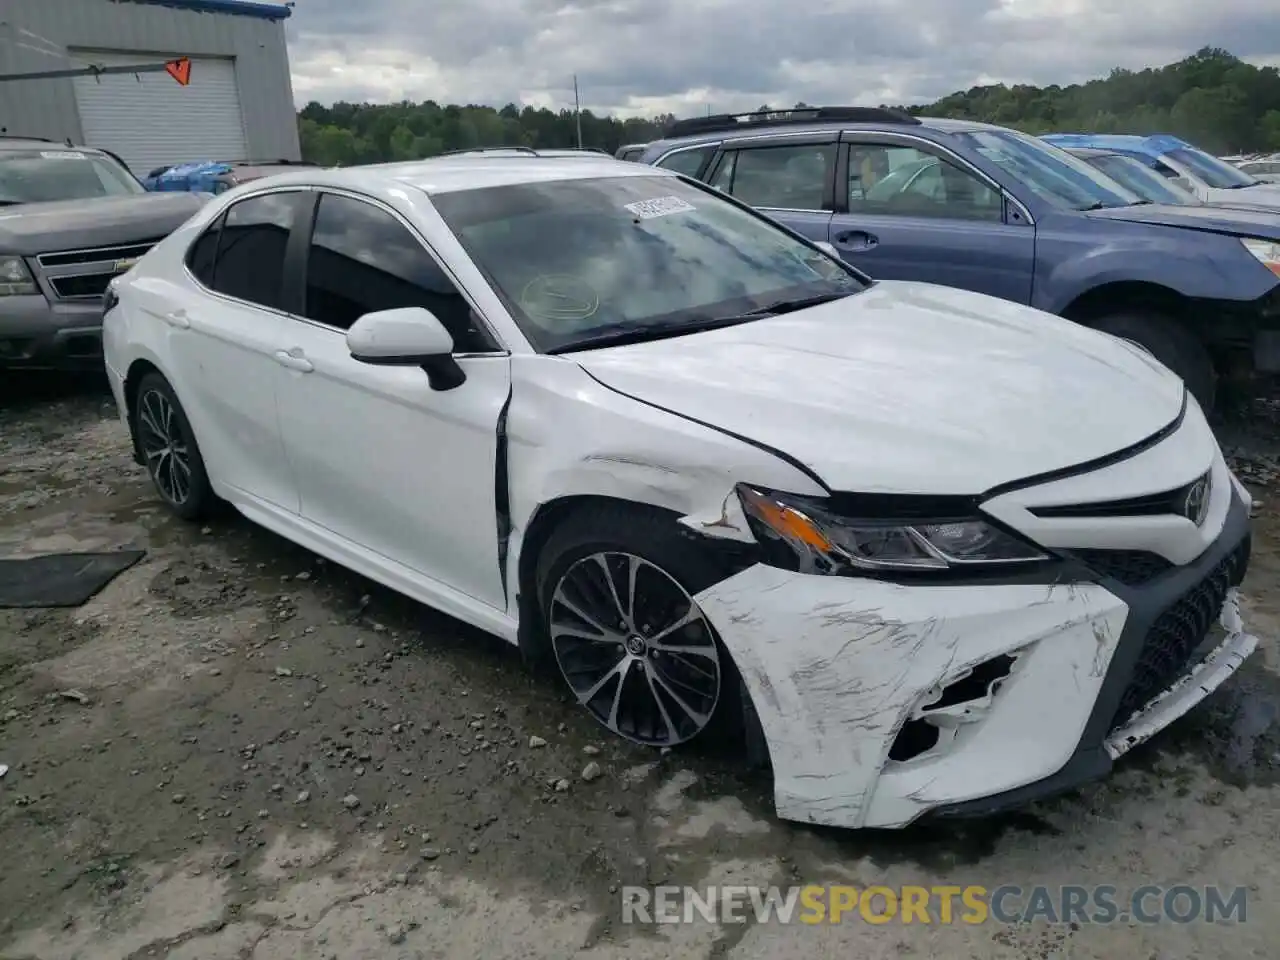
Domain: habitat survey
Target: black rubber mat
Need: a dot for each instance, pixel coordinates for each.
(61, 579)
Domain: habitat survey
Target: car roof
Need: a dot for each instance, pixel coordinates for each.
(1152, 147)
(938, 124)
(467, 171)
(1087, 152)
(16, 144)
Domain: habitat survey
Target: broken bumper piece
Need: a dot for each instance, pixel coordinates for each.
(882, 703)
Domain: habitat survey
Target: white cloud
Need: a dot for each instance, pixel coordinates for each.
(641, 57)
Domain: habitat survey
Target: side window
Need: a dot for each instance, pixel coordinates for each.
(200, 258)
(792, 178)
(688, 162)
(362, 259)
(903, 181)
(251, 246)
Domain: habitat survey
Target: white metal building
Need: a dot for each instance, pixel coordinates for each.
(237, 106)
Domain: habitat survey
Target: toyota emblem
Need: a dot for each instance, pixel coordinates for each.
(1196, 505)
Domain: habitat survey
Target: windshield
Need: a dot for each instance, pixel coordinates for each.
(1214, 172)
(575, 260)
(1053, 174)
(47, 175)
(1142, 180)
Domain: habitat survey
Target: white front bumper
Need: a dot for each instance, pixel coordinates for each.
(835, 666)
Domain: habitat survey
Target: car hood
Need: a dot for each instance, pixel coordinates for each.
(1265, 195)
(33, 228)
(1254, 222)
(907, 388)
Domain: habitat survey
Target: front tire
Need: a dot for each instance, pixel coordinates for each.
(169, 449)
(615, 588)
(1173, 345)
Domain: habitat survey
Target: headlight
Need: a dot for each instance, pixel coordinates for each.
(1267, 251)
(15, 278)
(818, 541)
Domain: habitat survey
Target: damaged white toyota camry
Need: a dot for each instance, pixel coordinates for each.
(926, 551)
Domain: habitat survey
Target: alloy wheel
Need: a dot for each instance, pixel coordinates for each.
(635, 648)
(163, 447)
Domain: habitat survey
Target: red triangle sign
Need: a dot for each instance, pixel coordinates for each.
(180, 70)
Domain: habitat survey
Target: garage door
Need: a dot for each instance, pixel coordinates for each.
(149, 120)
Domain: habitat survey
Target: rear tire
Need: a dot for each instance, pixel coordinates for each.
(169, 449)
(1173, 345)
(616, 660)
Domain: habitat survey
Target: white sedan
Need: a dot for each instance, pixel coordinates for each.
(927, 551)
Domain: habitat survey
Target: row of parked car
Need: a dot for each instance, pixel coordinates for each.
(1149, 238)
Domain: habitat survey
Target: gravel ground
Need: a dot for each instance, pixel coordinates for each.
(237, 750)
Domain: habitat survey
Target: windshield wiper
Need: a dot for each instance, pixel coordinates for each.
(797, 303)
(630, 331)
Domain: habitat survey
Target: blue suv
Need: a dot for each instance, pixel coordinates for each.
(996, 211)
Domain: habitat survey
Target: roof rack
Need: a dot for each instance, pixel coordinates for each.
(18, 136)
(771, 118)
(517, 149)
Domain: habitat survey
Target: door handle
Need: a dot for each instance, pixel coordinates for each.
(294, 360)
(857, 239)
(177, 318)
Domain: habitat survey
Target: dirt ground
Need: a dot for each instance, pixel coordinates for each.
(238, 751)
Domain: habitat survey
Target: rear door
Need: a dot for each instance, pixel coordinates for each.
(789, 177)
(905, 209)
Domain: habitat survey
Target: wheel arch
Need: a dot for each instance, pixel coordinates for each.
(1097, 302)
(137, 371)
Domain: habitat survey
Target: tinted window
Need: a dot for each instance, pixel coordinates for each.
(577, 259)
(200, 258)
(904, 181)
(688, 162)
(363, 259)
(254, 235)
(1214, 172)
(1142, 180)
(793, 178)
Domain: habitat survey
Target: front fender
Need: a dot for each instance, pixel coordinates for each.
(567, 435)
(1073, 260)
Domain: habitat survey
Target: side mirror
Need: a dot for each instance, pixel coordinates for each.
(407, 337)
(827, 248)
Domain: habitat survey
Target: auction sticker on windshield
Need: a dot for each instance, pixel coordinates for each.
(658, 207)
(62, 155)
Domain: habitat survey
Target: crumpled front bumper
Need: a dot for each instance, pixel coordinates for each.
(837, 667)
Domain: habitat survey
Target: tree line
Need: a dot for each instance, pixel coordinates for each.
(1210, 98)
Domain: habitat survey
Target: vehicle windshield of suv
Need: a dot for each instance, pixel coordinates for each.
(586, 263)
(1214, 172)
(1142, 180)
(39, 176)
(1063, 180)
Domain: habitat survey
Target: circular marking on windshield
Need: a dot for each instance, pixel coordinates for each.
(559, 297)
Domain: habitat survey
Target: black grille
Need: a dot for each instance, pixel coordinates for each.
(97, 254)
(82, 285)
(1170, 646)
(1133, 568)
(1153, 505)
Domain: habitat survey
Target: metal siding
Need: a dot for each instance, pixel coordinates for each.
(36, 36)
(149, 119)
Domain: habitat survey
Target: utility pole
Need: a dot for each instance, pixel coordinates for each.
(577, 110)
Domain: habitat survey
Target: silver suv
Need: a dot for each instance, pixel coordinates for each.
(72, 219)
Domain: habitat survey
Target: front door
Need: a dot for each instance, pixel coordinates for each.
(382, 459)
(905, 212)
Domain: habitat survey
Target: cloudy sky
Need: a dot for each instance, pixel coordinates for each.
(641, 57)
